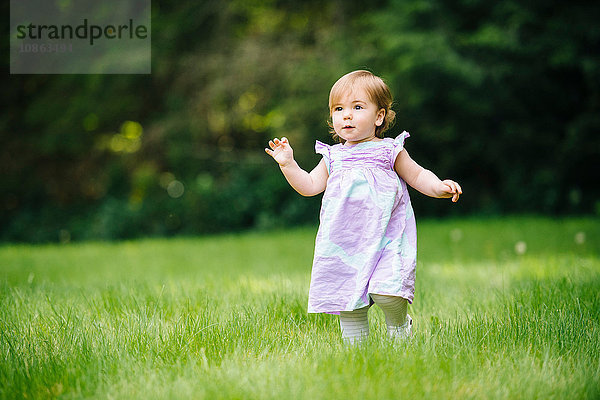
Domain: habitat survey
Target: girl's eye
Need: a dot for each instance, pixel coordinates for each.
(357, 107)
(337, 109)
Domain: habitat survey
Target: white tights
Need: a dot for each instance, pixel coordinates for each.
(355, 324)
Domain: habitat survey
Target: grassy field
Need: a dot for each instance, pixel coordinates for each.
(504, 309)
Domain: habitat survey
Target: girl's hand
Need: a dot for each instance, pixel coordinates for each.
(281, 151)
(449, 188)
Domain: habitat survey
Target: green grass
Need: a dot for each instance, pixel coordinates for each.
(225, 317)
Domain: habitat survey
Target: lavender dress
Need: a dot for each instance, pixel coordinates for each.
(367, 239)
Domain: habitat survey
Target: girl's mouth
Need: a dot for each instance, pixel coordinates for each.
(348, 127)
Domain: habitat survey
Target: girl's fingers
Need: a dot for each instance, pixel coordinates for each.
(276, 142)
(458, 187)
(454, 188)
(457, 191)
(455, 197)
(449, 187)
(273, 144)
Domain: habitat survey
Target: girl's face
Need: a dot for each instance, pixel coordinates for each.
(355, 117)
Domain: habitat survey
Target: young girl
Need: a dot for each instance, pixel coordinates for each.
(366, 245)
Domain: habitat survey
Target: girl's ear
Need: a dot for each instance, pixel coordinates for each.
(380, 117)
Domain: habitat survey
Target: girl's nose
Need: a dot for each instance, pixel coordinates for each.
(347, 114)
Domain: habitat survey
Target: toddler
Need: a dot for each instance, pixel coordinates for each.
(366, 245)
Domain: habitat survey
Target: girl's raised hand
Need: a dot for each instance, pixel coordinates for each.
(281, 151)
(451, 189)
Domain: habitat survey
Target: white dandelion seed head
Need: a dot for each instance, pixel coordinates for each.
(520, 247)
(580, 237)
(456, 235)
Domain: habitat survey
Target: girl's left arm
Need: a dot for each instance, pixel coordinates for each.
(424, 180)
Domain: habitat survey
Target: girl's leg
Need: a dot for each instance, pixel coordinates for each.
(399, 323)
(355, 325)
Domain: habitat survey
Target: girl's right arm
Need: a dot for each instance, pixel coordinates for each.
(305, 183)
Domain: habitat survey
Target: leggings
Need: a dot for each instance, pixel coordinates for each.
(355, 324)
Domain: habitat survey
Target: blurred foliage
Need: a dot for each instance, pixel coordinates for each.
(502, 96)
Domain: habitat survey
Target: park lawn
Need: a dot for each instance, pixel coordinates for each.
(504, 309)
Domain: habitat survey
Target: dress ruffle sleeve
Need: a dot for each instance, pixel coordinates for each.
(399, 145)
(323, 149)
